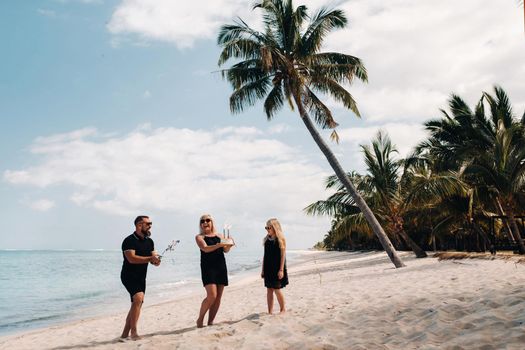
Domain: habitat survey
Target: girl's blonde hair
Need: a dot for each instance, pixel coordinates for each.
(207, 216)
(274, 223)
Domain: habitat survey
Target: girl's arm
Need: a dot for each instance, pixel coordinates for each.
(207, 248)
(262, 269)
(280, 274)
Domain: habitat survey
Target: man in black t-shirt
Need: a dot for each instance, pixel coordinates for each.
(138, 250)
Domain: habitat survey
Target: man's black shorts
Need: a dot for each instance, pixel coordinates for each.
(134, 284)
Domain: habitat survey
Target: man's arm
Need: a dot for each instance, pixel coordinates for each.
(155, 255)
(136, 259)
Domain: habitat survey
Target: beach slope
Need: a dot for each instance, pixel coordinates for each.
(335, 300)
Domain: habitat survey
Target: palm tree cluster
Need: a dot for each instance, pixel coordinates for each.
(471, 168)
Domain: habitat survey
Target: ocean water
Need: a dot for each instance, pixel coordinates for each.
(41, 288)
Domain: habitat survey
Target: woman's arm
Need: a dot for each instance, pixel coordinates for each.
(227, 247)
(207, 248)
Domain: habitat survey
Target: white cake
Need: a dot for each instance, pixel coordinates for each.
(226, 235)
(227, 241)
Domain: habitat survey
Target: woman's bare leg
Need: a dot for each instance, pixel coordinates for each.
(269, 299)
(215, 307)
(211, 294)
(280, 299)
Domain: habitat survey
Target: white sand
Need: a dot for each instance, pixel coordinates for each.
(335, 301)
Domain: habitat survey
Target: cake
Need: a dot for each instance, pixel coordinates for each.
(226, 234)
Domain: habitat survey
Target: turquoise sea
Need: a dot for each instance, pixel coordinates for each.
(42, 287)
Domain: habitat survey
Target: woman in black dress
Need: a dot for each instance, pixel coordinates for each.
(274, 264)
(213, 268)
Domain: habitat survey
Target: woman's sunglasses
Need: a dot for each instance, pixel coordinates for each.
(205, 220)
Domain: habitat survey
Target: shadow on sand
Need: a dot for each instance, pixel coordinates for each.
(251, 317)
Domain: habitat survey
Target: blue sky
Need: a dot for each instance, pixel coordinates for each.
(114, 108)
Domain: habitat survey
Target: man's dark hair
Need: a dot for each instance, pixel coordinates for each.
(139, 219)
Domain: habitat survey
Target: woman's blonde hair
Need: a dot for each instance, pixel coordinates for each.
(207, 216)
(274, 223)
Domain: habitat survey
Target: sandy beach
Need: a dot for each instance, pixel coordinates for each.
(335, 300)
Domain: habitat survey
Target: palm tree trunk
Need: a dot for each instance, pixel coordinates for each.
(501, 212)
(334, 163)
(515, 228)
(420, 253)
(350, 242)
(433, 236)
(485, 237)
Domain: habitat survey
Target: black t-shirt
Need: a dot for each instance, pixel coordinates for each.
(142, 247)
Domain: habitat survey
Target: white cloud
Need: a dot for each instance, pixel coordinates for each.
(179, 22)
(417, 52)
(146, 94)
(403, 135)
(42, 204)
(278, 128)
(238, 172)
(81, 1)
(46, 12)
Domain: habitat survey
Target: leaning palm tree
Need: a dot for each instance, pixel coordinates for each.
(284, 64)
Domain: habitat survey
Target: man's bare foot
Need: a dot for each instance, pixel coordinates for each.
(282, 312)
(136, 337)
(210, 323)
(199, 324)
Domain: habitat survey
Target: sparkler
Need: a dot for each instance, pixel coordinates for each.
(170, 248)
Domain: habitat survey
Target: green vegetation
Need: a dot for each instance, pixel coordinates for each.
(470, 168)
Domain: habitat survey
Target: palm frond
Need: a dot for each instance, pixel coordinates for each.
(339, 67)
(321, 113)
(332, 88)
(242, 48)
(239, 30)
(248, 94)
(323, 22)
(274, 101)
(243, 73)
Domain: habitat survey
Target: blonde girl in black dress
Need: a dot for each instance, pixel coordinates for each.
(213, 268)
(274, 264)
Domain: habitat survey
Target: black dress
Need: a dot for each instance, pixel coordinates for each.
(271, 264)
(213, 264)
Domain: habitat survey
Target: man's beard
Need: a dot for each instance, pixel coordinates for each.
(146, 233)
